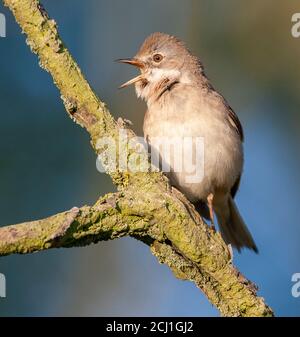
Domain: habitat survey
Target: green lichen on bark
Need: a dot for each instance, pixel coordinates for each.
(146, 206)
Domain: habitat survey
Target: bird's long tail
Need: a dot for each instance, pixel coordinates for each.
(233, 228)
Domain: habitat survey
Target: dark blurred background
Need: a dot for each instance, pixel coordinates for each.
(47, 165)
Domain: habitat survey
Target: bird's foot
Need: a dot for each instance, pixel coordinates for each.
(210, 199)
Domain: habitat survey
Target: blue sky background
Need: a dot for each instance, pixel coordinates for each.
(47, 165)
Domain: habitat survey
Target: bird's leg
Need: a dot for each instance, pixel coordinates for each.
(210, 199)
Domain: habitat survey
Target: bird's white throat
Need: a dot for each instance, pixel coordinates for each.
(153, 78)
(157, 74)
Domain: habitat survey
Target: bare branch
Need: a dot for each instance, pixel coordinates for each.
(106, 220)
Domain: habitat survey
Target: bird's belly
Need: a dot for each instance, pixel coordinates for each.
(208, 157)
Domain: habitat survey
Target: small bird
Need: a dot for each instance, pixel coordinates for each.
(181, 102)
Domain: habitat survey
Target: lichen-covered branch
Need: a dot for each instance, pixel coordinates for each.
(108, 219)
(146, 207)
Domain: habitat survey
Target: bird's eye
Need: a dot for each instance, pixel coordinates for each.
(157, 58)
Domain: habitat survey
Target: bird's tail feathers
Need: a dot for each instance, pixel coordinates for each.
(233, 228)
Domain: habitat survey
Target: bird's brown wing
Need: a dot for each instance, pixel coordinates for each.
(236, 124)
(235, 187)
(232, 118)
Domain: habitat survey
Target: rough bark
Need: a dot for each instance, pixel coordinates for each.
(146, 206)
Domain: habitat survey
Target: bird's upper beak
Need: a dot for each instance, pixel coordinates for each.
(136, 63)
(133, 61)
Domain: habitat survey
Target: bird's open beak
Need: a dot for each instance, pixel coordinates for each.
(136, 63)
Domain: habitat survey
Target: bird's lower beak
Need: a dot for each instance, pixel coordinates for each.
(132, 81)
(136, 63)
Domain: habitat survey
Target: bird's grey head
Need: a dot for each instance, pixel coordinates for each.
(164, 61)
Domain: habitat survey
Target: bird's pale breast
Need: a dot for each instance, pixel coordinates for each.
(184, 113)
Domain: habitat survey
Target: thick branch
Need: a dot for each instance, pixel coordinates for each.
(108, 219)
(148, 208)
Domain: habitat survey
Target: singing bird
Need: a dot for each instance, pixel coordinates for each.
(181, 102)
